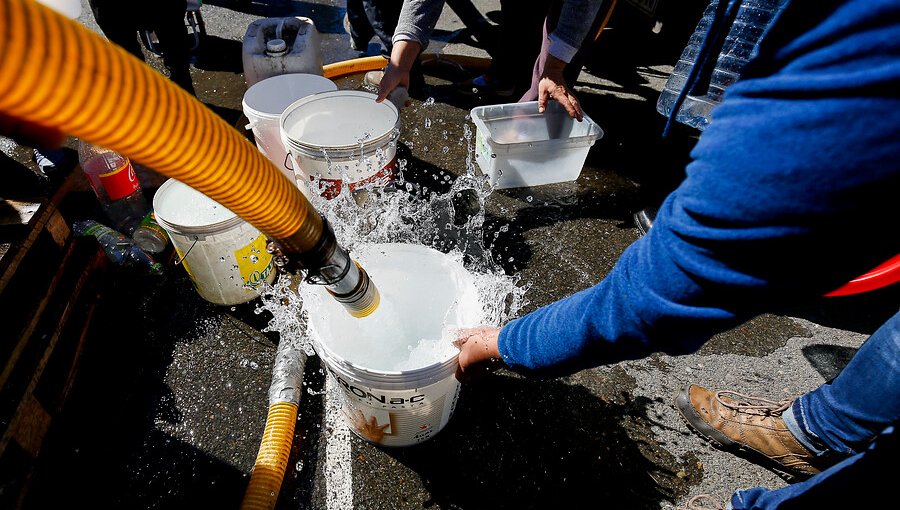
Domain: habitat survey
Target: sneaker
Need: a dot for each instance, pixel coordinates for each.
(644, 219)
(482, 85)
(55, 163)
(733, 421)
(373, 78)
(703, 502)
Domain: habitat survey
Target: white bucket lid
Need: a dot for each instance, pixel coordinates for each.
(341, 120)
(266, 99)
(183, 209)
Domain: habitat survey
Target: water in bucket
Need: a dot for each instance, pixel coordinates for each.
(396, 368)
(224, 255)
(342, 138)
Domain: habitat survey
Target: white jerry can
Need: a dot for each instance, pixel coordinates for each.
(276, 46)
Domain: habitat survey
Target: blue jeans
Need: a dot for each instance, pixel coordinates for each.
(855, 416)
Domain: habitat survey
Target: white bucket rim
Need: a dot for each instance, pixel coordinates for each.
(190, 230)
(340, 155)
(387, 379)
(273, 81)
(345, 150)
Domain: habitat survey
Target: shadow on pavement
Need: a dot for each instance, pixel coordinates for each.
(517, 443)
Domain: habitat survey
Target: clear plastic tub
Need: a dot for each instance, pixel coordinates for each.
(517, 146)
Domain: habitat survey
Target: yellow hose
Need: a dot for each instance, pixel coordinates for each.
(271, 462)
(58, 75)
(365, 64)
(353, 66)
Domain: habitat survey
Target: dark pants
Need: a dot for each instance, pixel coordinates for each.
(370, 18)
(121, 21)
(379, 18)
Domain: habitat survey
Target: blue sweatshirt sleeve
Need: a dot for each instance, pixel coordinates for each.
(791, 193)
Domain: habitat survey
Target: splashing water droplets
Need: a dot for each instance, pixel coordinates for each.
(450, 220)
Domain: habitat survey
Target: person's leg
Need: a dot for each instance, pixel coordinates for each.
(118, 23)
(814, 431)
(167, 19)
(856, 482)
(383, 16)
(520, 43)
(358, 26)
(845, 414)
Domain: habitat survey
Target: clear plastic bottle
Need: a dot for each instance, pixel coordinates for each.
(752, 20)
(150, 236)
(119, 248)
(116, 185)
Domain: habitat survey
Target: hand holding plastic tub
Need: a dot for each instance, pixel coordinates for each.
(478, 352)
(553, 86)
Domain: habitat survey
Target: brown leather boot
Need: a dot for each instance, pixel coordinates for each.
(739, 422)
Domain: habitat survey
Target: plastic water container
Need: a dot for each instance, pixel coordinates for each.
(266, 100)
(224, 255)
(741, 44)
(394, 392)
(274, 46)
(517, 146)
(342, 138)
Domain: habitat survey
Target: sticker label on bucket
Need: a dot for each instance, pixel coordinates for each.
(254, 263)
(481, 146)
(331, 188)
(397, 417)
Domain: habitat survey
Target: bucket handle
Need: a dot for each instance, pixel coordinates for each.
(178, 262)
(287, 162)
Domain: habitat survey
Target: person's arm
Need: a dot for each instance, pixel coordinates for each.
(411, 37)
(791, 193)
(575, 20)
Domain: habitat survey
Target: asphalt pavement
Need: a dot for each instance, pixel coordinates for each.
(171, 398)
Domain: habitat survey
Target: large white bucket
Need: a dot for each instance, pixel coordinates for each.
(395, 391)
(263, 105)
(224, 255)
(342, 137)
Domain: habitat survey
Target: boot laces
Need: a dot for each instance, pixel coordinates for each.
(752, 405)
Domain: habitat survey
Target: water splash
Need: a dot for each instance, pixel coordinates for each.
(407, 212)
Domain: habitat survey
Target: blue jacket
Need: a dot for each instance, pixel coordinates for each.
(793, 190)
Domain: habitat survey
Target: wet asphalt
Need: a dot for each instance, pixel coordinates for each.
(170, 402)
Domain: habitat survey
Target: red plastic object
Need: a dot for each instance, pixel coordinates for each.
(882, 276)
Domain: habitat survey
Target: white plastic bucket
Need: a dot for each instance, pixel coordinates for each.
(224, 255)
(340, 137)
(263, 104)
(427, 291)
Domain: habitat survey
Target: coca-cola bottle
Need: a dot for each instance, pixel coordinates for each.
(116, 185)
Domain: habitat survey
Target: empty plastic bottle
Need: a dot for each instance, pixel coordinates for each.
(119, 248)
(750, 22)
(150, 236)
(116, 185)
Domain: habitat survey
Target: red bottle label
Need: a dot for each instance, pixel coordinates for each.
(121, 182)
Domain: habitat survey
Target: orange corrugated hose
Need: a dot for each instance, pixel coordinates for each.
(353, 66)
(271, 461)
(57, 74)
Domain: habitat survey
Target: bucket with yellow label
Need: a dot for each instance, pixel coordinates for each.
(224, 255)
